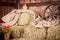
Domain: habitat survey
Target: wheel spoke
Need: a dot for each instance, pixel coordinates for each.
(50, 9)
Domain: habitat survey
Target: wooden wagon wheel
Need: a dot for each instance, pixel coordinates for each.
(51, 12)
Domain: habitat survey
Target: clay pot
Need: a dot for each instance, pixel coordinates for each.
(6, 36)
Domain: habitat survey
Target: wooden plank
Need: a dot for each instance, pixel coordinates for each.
(0, 14)
(8, 1)
(7, 4)
(36, 1)
(42, 3)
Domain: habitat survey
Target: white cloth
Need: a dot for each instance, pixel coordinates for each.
(43, 23)
(12, 17)
(8, 17)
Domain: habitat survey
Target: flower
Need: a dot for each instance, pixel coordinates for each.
(6, 27)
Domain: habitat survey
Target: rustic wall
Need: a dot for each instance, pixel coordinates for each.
(7, 6)
(35, 1)
(0, 13)
(40, 9)
(4, 10)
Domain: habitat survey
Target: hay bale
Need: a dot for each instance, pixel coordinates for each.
(20, 39)
(54, 33)
(30, 32)
(34, 33)
(17, 31)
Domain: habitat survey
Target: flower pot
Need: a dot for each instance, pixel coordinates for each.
(6, 36)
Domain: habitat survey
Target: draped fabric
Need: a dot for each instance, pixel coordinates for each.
(12, 17)
(24, 17)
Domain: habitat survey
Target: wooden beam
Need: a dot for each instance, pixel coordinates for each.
(7, 4)
(9, 1)
(17, 3)
(43, 3)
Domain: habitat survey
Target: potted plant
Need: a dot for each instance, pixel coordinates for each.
(7, 32)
